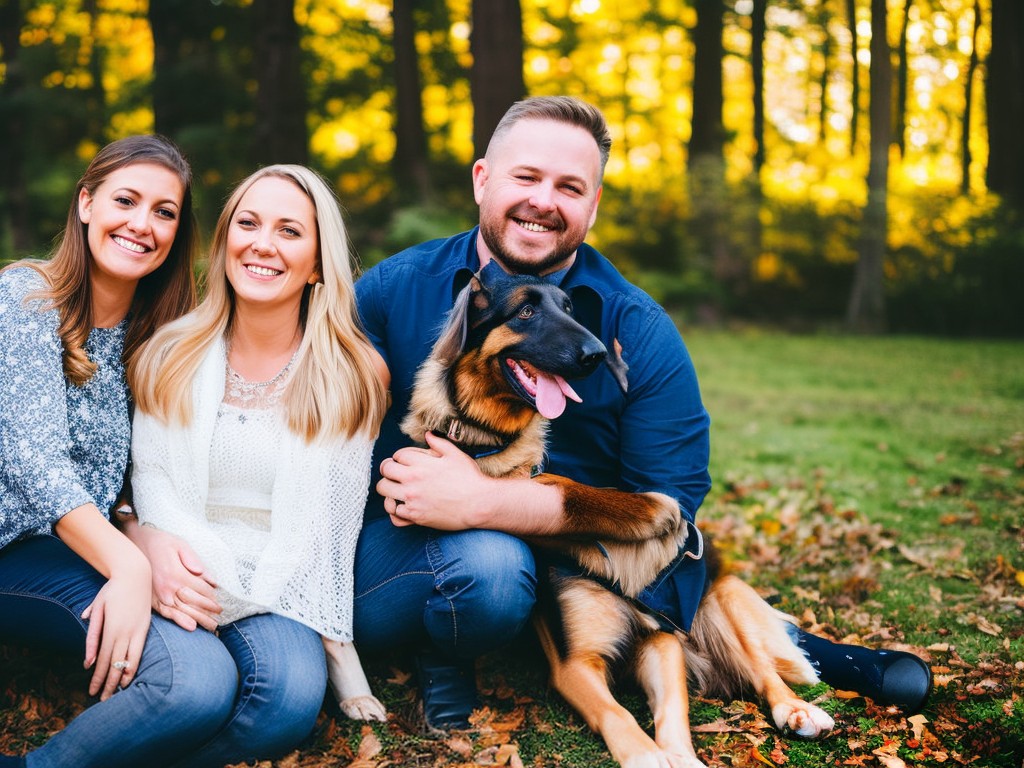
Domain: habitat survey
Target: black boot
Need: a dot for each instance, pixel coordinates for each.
(886, 677)
(449, 690)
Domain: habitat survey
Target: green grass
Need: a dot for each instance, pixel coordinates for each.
(922, 436)
(872, 487)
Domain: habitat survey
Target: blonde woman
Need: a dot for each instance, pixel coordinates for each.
(255, 420)
(69, 580)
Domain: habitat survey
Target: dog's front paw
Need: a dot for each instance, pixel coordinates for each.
(364, 708)
(803, 719)
(666, 518)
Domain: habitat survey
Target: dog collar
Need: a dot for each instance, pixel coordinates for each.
(474, 450)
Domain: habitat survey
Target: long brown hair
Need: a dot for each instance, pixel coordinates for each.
(163, 295)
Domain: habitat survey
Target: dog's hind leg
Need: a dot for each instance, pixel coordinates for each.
(596, 628)
(747, 638)
(661, 671)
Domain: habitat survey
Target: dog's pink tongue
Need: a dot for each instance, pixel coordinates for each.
(551, 394)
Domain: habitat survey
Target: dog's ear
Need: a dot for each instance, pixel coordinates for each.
(617, 365)
(450, 343)
(480, 297)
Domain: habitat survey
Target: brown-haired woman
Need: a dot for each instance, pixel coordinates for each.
(69, 580)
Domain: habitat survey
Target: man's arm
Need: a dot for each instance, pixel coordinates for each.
(442, 487)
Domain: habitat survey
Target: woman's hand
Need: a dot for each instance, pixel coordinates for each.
(118, 619)
(182, 590)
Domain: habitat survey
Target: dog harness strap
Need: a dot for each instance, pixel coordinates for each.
(671, 598)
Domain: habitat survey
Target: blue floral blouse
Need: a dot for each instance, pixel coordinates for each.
(61, 446)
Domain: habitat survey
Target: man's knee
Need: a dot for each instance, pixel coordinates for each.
(491, 585)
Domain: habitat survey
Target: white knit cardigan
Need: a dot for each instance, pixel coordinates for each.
(306, 570)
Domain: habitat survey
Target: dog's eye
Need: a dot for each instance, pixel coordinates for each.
(526, 312)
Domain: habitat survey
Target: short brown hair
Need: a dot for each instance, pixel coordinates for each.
(561, 109)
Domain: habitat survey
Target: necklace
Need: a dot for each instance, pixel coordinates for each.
(263, 395)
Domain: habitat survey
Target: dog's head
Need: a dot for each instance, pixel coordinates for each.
(518, 333)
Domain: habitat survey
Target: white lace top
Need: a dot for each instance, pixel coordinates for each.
(274, 519)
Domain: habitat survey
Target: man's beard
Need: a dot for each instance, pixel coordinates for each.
(511, 262)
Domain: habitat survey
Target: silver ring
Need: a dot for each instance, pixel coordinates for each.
(122, 665)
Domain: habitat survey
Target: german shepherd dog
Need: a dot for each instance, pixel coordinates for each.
(495, 376)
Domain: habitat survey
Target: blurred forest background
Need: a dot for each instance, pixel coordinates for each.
(805, 163)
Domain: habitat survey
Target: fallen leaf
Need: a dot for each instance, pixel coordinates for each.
(369, 748)
(778, 754)
(984, 625)
(718, 726)
(917, 724)
(508, 754)
(399, 677)
(460, 745)
(889, 761)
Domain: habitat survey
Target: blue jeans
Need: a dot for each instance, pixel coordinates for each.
(197, 698)
(465, 593)
(282, 678)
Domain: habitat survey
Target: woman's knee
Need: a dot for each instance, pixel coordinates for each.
(294, 693)
(190, 675)
(284, 678)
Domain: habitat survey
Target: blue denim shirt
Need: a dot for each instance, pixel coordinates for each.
(654, 437)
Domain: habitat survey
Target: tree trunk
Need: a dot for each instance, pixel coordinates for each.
(96, 118)
(1005, 100)
(410, 165)
(710, 221)
(826, 71)
(851, 18)
(202, 68)
(866, 311)
(280, 134)
(965, 128)
(757, 33)
(14, 206)
(496, 80)
(755, 192)
(172, 23)
(901, 83)
(707, 136)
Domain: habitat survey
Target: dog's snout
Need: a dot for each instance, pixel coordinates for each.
(592, 354)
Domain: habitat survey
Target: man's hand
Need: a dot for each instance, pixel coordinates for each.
(437, 487)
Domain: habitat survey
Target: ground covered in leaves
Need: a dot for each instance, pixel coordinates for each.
(976, 716)
(875, 491)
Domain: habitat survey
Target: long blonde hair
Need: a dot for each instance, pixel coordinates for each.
(335, 389)
(162, 295)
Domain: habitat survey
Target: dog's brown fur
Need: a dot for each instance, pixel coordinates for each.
(737, 641)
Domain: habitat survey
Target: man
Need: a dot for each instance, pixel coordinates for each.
(438, 565)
